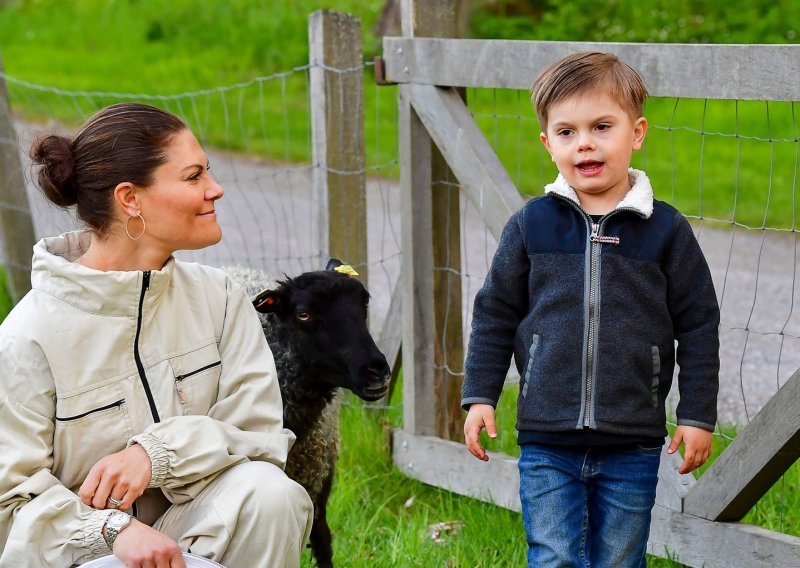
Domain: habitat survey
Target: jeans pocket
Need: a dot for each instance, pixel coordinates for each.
(649, 449)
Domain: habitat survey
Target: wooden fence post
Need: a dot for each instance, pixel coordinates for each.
(16, 223)
(337, 118)
(437, 381)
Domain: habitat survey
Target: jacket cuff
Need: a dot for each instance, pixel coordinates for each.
(695, 424)
(92, 532)
(159, 457)
(470, 400)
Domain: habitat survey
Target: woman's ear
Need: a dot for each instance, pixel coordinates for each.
(126, 197)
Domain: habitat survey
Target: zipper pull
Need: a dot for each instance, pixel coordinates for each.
(595, 238)
(146, 282)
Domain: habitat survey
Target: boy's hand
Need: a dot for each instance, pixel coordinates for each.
(480, 416)
(697, 446)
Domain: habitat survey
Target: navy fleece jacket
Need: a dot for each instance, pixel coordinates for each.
(591, 313)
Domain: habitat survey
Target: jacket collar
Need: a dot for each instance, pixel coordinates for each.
(55, 272)
(639, 197)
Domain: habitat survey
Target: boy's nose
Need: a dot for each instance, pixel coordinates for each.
(585, 142)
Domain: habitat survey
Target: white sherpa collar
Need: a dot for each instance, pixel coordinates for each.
(639, 197)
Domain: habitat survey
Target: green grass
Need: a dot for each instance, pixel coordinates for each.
(225, 66)
(716, 159)
(380, 517)
(5, 297)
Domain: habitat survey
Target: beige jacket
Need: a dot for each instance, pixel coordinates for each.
(93, 361)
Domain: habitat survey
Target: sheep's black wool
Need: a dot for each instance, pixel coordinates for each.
(316, 326)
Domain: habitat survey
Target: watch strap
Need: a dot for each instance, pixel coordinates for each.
(112, 532)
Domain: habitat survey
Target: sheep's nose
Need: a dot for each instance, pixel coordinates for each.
(378, 368)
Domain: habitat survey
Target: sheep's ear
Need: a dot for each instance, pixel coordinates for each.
(267, 301)
(333, 263)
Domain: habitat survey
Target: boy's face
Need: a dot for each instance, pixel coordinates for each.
(591, 138)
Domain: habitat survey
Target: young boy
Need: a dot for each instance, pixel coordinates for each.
(590, 287)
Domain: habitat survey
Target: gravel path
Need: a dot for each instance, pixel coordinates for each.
(267, 219)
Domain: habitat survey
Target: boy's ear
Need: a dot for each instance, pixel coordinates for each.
(545, 141)
(639, 132)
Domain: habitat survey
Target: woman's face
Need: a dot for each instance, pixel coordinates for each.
(179, 205)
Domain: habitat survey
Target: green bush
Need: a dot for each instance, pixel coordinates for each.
(681, 21)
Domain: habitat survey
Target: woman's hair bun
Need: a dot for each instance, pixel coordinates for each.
(56, 176)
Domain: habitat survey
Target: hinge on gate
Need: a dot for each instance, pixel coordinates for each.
(380, 72)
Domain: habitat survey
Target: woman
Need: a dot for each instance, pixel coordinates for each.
(133, 382)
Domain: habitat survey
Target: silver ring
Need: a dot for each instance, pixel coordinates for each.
(115, 502)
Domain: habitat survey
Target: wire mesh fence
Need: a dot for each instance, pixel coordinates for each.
(729, 166)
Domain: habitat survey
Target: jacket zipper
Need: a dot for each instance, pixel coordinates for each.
(596, 240)
(179, 378)
(136, 357)
(594, 267)
(116, 404)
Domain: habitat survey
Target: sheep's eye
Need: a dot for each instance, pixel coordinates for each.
(304, 316)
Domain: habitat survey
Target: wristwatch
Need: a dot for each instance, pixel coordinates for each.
(115, 523)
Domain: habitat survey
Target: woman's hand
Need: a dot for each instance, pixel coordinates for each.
(140, 546)
(122, 476)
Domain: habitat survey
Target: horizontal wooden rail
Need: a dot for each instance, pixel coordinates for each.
(707, 544)
(744, 72)
(446, 464)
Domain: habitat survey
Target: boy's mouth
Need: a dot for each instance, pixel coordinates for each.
(589, 166)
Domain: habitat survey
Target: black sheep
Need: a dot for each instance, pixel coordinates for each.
(316, 326)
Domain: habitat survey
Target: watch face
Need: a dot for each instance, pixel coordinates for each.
(117, 520)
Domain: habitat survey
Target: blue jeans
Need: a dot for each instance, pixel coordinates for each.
(587, 507)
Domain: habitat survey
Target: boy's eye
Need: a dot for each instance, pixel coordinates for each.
(603, 126)
(564, 132)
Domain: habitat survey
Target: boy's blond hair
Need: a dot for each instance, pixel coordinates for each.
(587, 72)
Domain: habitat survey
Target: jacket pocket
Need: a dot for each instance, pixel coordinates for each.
(88, 426)
(196, 375)
(656, 377)
(526, 379)
(110, 406)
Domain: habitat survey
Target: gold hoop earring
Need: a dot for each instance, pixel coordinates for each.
(127, 230)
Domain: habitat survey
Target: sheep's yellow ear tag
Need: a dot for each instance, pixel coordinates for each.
(346, 269)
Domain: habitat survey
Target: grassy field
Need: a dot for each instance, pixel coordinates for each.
(381, 518)
(227, 68)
